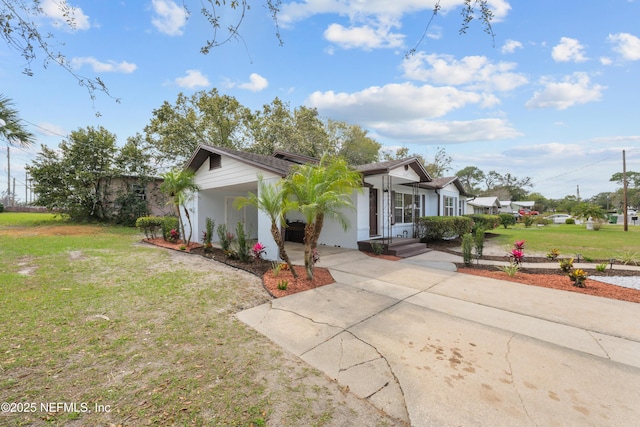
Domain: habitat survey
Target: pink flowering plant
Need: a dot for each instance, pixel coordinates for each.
(258, 250)
(174, 235)
(516, 256)
(519, 245)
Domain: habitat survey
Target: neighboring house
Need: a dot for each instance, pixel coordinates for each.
(484, 205)
(149, 192)
(393, 195)
(522, 205)
(448, 197)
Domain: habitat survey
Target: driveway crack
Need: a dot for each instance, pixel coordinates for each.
(513, 382)
(599, 344)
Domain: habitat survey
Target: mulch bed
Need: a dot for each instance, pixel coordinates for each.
(260, 268)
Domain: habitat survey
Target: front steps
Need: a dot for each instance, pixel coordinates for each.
(399, 246)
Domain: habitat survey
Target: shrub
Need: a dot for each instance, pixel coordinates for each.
(566, 264)
(479, 241)
(578, 276)
(149, 225)
(555, 253)
(1, 208)
(507, 219)
(377, 248)
(510, 269)
(208, 234)
(169, 223)
(467, 246)
(487, 222)
(225, 237)
(283, 285)
(131, 208)
(628, 258)
(570, 221)
(527, 220)
(442, 227)
(601, 267)
(540, 220)
(243, 251)
(258, 250)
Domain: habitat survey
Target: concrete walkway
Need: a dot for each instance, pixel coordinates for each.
(430, 346)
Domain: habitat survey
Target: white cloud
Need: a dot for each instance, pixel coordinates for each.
(572, 90)
(65, 16)
(359, 9)
(606, 61)
(474, 72)
(395, 102)
(427, 131)
(569, 50)
(406, 112)
(169, 18)
(626, 45)
(256, 83)
(371, 21)
(510, 46)
(104, 67)
(364, 37)
(192, 80)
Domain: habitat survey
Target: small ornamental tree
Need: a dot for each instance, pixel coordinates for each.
(321, 191)
(180, 186)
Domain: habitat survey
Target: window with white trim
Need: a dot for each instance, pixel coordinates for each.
(449, 206)
(406, 207)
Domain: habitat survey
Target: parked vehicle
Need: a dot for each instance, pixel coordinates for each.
(527, 212)
(559, 218)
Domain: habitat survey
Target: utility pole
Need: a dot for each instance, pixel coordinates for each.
(26, 188)
(624, 190)
(8, 175)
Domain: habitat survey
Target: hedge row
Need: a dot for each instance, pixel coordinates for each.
(443, 227)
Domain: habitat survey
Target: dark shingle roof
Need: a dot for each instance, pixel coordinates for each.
(268, 163)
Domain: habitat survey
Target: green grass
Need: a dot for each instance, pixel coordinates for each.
(98, 318)
(25, 219)
(611, 241)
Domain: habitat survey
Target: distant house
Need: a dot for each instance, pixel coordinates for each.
(484, 205)
(448, 197)
(147, 189)
(393, 195)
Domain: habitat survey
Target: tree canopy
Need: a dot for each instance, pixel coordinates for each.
(11, 127)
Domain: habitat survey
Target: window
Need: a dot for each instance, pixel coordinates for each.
(406, 207)
(449, 206)
(460, 207)
(215, 161)
(139, 190)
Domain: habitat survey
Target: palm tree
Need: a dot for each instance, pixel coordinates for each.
(11, 129)
(589, 210)
(321, 191)
(180, 186)
(271, 201)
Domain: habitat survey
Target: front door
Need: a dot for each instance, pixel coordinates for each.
(373, 212)
(234, 215)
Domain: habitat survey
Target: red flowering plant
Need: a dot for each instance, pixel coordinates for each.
(519, 245)
(174, 235)
(516, 256)
(258, 250)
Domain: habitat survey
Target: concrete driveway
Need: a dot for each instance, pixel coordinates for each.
(434, 347)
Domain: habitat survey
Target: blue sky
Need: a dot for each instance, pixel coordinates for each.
(554, 96)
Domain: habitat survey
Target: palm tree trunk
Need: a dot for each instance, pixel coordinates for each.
(317, 229)
(177, 205)
(308, 253)
(186, 213)
(281, 250)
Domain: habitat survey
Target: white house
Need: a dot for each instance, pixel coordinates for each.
(484, 205)
(393, 194)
